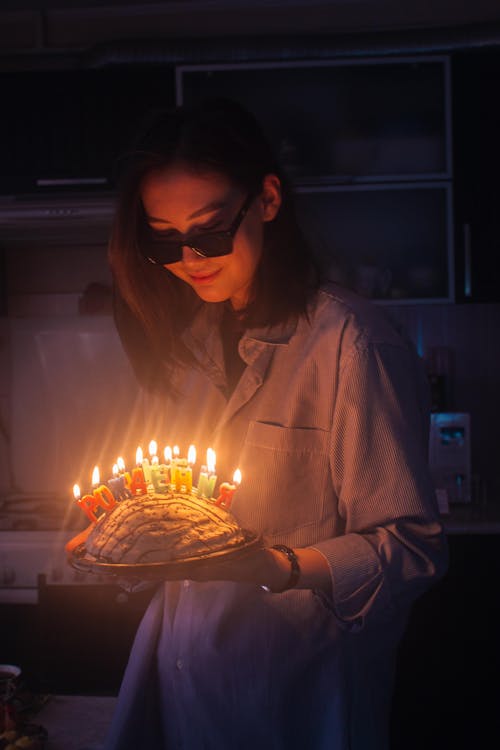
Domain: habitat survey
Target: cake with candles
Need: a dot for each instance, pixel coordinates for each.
(163, 528)
(155, 515)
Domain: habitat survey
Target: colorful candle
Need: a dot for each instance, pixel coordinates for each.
(181, 475)
(227, 490)
(165, 467)
(203, 482)
(102, 493)
(123, 473)
(212, 477)
(118, 484)
(173, 466)
(155, 473)
(88, 503)
(138, 484)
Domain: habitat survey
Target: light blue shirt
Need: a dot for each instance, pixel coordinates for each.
(328, 425)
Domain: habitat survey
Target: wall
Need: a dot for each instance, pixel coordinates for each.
(47, 283)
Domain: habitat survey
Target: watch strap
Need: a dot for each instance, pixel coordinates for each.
(294, 568)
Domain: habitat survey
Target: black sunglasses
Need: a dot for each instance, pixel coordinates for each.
(162, 251)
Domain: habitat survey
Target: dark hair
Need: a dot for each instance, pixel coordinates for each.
(152, 306)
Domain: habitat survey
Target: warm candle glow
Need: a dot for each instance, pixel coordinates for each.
(154, 461)
(153, 448)
(139, 456)
(211, 461)
(176, 451)
(95, 477)
(168, 454)
(192, 455)
(115, 470)
(76, 492)
(237, 477)
(120, 463)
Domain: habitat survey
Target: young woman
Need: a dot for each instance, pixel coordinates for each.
(312, 393)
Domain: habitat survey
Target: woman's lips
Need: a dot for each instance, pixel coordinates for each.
(203, 278)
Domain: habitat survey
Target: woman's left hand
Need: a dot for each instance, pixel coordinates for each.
(269, 567)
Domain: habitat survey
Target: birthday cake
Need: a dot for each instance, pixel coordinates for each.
(168, 527)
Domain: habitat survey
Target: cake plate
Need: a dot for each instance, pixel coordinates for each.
(82, 561)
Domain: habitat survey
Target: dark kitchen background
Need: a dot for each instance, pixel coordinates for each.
(387, 117)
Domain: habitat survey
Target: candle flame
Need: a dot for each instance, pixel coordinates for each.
(121, 463)
(76, 492)
(176, 451)
(168, 454)
(237, 477)
(153, 448)
(115, 470)
(138, 456)
(192, 455)
(211, 460)
(95, 476)
(154, 461)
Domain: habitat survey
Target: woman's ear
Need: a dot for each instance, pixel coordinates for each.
(270, 198)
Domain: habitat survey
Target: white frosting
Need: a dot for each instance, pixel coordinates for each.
(163, 528)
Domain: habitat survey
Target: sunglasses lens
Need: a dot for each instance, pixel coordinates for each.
(212, 244)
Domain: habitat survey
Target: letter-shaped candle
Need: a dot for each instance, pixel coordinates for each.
(227, 490)
(212, 477)
(103, 494)
(88, 503)
(138, 485)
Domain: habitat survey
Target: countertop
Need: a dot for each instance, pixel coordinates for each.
(76, 722)
(472, 519)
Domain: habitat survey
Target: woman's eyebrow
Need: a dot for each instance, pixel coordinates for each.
(208, 209)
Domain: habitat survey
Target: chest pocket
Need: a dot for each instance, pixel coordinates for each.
(285, 476)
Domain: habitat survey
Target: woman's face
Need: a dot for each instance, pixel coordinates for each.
(178, 201)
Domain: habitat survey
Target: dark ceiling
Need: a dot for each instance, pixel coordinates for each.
(53, 31)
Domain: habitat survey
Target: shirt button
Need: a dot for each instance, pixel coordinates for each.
(179, 664)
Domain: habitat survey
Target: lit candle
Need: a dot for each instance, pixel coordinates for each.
(173, 466)
(146, 468)
(188, 474)
(117, 484)
(123, 473)
(165, 468)
(212, 477)
(155, 473)
(203, 482)
(102, 493)
(138, 485)
(227, 490)
(88, 503)
(182, 475)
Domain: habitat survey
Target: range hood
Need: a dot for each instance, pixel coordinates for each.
(58, 217)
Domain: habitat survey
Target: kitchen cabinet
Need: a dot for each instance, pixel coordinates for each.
(476, 149)
(76, 640)
(447, 691)
(367, 144)
(65, 130)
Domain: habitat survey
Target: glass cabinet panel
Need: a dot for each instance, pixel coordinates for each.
(388, 243)
(341, 121)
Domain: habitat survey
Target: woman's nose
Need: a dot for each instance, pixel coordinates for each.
(190, 255)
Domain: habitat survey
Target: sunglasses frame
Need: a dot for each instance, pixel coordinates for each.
(176, 247)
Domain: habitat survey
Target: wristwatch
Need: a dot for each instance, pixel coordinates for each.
(294, 571)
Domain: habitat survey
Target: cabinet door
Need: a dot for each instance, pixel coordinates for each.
(67, 128)
(341, 121)
(476, 113)
(392, 242)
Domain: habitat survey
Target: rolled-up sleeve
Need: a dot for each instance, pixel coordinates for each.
(393, 546)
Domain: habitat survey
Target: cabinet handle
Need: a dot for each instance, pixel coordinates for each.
(467, 261)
